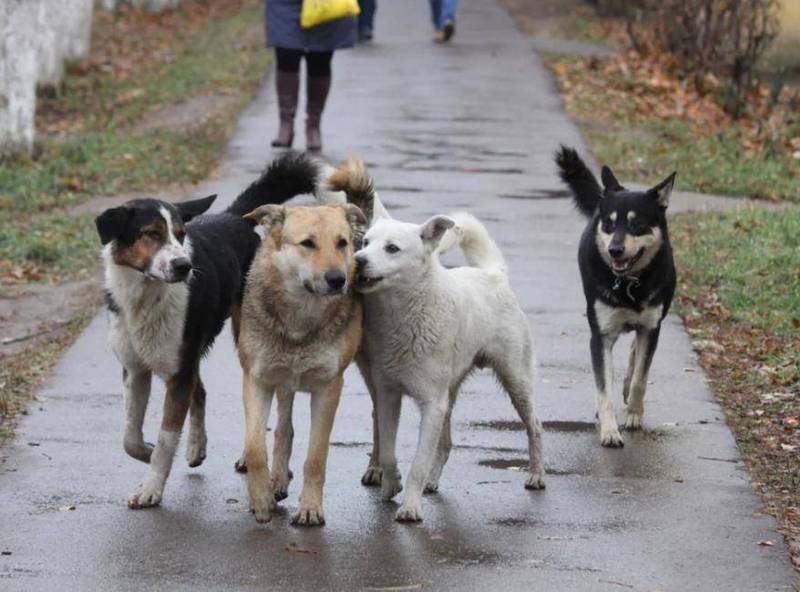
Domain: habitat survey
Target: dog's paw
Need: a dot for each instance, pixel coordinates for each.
(280, 487)
(308, 514)
(535, 481)
(240, 465)
(372, 476)
(431, 487)
(262, 508)
(409, 513)
(147, 496)
(391, 484)
(611, 438)
(633, 421)
(138, 449)
(196, 448)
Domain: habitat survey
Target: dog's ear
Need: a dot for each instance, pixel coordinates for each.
(112, 223)
(357, 220)
(433, 230)
(610, 182)
(663, 190)
(195, 207)
(268, 216)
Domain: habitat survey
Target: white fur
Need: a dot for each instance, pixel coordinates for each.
(148, 331)
(425, 327)
(149, 494)
(612, 320)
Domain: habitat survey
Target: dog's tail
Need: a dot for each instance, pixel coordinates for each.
(473, 238)
(353, 178)
(586, 191)
(291, 174)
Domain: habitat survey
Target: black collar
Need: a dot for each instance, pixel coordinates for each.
(628, 281)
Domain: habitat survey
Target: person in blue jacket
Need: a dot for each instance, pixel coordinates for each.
(292, 44)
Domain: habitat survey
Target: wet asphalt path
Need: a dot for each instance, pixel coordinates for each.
(468, 126)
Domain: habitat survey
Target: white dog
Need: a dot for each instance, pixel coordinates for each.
(426, 328)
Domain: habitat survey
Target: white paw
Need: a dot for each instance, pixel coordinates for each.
(535, 481)
(391, 484)
(147, 496)
(196, 448)
(308, 514)
(138, 449)
(633, 420)
(280, 486)
(372, 476)
(262, 508)
(431, 487)
(611, 438)
(409, 512)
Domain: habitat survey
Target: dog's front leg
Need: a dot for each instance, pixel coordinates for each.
(434, 410)
(197, 440)
(136, 384)
(387, 405)
(645, 344)
(282, 448)
(176, 406)
(372, 476)
(603, 365)
(257, 398)
(324, 403)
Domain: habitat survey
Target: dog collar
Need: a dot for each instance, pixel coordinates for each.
(632, 282)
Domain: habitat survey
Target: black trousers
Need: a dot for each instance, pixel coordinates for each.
(318, 63)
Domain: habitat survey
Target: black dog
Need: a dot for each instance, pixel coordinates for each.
(173, 276)
(628, 274)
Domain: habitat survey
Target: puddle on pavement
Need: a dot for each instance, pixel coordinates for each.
(539, 194)
(350, 444)
(512, 464)
(518, 426)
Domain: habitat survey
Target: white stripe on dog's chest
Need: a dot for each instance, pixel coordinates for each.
(613, 319)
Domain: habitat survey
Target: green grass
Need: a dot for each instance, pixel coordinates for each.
(750, 258)
(104, 154)
(707, 164)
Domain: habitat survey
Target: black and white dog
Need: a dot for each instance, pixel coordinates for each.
(173, 276)
(628, 274)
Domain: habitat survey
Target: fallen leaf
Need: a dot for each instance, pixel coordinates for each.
(66, 508)
(766, 543)
(293, 548)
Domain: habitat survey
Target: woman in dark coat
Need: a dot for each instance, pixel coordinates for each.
(292, 43)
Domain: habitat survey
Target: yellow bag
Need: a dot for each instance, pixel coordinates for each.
(316, 12)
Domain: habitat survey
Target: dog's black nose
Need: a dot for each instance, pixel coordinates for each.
(181, 266)
(361, 260)
(335, 279)
(616, 251)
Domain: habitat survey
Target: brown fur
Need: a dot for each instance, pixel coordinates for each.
(292, 338)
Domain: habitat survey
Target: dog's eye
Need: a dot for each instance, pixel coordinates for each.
(391, 249)
(364, 243)
(308, 244)
(608, 225)
(154, 234)
(342, 244)
(638, 228)
(180, 235)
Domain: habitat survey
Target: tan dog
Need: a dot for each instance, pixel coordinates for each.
(300, 328)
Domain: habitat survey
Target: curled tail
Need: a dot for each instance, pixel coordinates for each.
(586, 191)
(353, 178)
(288, 175)
(473, 238)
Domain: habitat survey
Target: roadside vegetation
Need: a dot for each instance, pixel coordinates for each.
(739, 295)
(150, 109)
(648, 111)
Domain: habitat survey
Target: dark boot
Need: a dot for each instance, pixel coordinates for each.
(287, 85)
(318, 87)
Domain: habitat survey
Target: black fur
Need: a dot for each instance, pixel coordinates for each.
(652, 286)
(576, 174)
